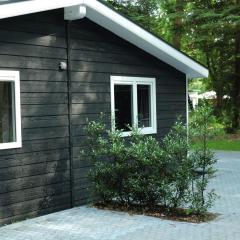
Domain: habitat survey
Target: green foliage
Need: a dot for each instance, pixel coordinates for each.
(175, 153)
(204, 125)
(141, 170)
(203, 159)
(197, 85)
(143, 12)
(218, 139)
(215, 31)
(209, 31)
(129, 170)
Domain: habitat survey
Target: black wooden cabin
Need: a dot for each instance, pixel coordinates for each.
(43, 172)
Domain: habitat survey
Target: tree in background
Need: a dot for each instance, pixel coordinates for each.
(164, 18)
(143, 12)
(173, 12)
(207, 30)
(214, 27)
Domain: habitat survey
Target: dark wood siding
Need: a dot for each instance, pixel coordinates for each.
(35, 179)
(96, 55)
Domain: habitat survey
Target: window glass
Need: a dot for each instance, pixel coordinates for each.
(123, 107)
(7, 109)
(144, 106)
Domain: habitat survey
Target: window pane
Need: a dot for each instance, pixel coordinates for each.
(123, 106)
(144, 109)
(7, 109)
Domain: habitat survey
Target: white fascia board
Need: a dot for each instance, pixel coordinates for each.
(114, 22)
(33, 6)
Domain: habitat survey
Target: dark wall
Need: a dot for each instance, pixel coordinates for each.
(96, 55)
(35, 179)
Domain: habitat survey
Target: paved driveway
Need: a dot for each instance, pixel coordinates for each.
(90, 224)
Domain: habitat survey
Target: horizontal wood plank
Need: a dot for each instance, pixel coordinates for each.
(44, 110)
(33, 158)
(80, 66)
(34, 205)
(43, 75)
(43, 133)
(35, 213)
(45, 87)
(34, 181)
(90, 87)
(88, 77)
(45, 121)
(31, 146)
(14, 49)
(37, 39)
(91, 108)
(32, 170)
(44, 98)
(7, 61)
(34, 193)
(91, 98)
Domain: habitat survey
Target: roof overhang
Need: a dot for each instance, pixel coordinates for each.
(114, 22)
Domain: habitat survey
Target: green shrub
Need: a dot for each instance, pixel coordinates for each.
(146, 182)
(215, 127)
(130, 169)
(175, 150)
(141, 170)
(203, 159)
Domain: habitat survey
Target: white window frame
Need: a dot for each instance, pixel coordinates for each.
(134, 81)
(14, 76)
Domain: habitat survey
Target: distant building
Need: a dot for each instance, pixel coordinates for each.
(195, 97)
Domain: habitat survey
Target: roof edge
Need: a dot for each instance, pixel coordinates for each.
(125, 28)
(155, 35)
(102, 14)
(28, 7)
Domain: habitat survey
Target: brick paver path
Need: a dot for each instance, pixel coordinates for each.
(91, 224)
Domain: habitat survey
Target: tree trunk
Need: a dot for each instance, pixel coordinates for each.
(236, 85)
(219, 103)
(218, 88)
(178, 24)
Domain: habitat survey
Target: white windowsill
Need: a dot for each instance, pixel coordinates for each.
(145, 131)
(10, 145)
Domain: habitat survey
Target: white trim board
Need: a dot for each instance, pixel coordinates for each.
(134, 82)
(114, 22)
(14, 76)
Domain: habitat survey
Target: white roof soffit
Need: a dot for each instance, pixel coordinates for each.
(32, 6)
(114, 22)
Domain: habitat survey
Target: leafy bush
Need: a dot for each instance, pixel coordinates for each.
(175, 152)
(203, 159)
(215, 127)
(141, 170)
(125, 169)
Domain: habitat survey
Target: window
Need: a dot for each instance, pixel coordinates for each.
(10, 116)
(133, 102)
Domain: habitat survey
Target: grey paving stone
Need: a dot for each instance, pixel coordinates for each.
(85, 223)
